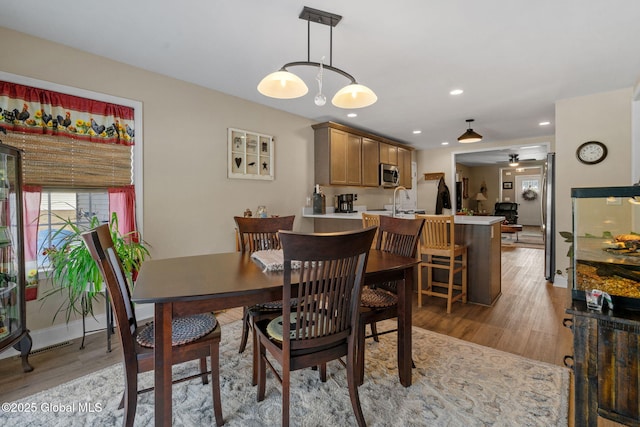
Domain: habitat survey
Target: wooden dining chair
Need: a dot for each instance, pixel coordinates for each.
(438, 250)
(369, 220)
(323, 324)
(194, 337)
(257, 234)
(380, 300)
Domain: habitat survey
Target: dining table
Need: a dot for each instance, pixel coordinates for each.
(188, 285)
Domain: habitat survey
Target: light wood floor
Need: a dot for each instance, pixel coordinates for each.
(525, 320)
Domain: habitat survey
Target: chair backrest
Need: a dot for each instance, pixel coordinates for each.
(257, 234)
(399, 236)
(438, 232)
(369, 220)
(101, 247)
(329, 277)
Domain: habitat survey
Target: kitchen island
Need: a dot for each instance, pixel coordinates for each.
(480, 233)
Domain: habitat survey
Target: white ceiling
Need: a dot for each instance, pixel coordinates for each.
(513, 58)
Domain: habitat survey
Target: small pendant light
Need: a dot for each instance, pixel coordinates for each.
(469, 136)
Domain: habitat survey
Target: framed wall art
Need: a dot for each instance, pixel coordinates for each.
(250, 155)
(507, 185)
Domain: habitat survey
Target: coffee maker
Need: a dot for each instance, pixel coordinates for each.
(344, 203)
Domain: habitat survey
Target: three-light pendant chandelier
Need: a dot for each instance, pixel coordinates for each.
(283, 84)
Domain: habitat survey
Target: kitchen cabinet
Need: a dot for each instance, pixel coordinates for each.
(388, 154)
(13, 328)
(346, 156)
(606, 357)
(404, 164)
(370, 163)
(342, 152)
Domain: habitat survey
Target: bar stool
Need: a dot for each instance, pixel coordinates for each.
(438, 250)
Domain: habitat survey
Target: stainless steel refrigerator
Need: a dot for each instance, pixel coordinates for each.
(548, 216)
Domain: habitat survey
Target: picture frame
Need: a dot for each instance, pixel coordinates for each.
(250, 155)
(507, 185)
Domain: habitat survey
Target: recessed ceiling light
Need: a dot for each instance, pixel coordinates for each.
(544, 123)
(417, 132)
(444, 143)
(456, 92)
(352, 115)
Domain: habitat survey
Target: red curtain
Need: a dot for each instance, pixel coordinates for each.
(31, 200)
(122, 201)
(34, 110)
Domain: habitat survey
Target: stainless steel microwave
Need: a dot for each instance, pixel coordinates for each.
(389, 175)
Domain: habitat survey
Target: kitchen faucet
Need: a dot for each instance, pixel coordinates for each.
(393, 211)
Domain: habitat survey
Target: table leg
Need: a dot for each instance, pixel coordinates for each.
(404, 327)
(162, 363)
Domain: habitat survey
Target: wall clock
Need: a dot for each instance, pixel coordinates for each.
(591, 152)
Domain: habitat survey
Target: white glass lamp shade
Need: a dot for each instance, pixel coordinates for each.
(354, 96)
(282, 85)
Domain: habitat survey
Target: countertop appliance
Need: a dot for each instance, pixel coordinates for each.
(343, 203)
(389, 175)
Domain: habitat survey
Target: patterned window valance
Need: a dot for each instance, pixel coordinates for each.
(33, 110)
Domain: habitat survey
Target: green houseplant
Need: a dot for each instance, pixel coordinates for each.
(75, 275)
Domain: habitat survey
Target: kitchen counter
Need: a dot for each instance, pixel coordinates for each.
(459, 219)
(480, 233)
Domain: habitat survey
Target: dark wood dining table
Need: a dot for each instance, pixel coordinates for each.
(202, 283)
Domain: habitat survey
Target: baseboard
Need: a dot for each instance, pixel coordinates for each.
(560, 281)
(48, 337)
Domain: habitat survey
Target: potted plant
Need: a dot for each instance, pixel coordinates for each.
(74, 274)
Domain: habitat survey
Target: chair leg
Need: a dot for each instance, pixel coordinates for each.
(130, 397)
(352, 383)
(452, 265)
(255, 355)
(323, 372)
(203, 370)
(420, 283)
(359, 365)
(286, 392)
(215, 383)
(245, 329)
(374, 331)
(464, 277)
(262, 374)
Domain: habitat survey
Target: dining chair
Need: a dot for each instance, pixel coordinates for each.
(328, 271)
(194, 337)
(379, 301)
(369, 220)
(257, 234)
(438, 250)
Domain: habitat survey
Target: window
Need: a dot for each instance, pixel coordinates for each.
(56, 206)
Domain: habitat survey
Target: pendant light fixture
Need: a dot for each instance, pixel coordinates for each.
(283, 84)
(469, 136)
(514, 160)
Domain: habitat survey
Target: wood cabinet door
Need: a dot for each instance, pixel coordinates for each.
(370, 163)
(354, 160)
(388, 154)
(338, 156)
(404, 164)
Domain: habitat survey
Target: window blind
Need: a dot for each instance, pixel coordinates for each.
(56, 162)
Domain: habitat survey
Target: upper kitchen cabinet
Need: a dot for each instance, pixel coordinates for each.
(404, 164)
(370, 163)
(338, 157)
(350, 157)
(388, 154)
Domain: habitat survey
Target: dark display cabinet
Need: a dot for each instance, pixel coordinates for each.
(606, 341)
(13, 329)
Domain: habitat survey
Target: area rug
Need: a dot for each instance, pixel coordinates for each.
(455, 383)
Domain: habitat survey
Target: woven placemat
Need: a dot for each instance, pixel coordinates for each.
(378, 298)
(183, 329)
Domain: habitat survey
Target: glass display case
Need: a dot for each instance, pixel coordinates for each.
(606, 243)
(13, 330)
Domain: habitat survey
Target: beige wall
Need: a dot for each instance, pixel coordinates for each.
(189, 202)
(604, 117)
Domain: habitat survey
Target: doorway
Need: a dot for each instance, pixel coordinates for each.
(528, 191)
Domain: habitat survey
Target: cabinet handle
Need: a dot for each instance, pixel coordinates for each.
(568, 323)
(566, 362)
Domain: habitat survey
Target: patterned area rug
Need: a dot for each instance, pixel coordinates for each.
(455, 383)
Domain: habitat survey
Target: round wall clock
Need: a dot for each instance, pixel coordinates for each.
(591, 152)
